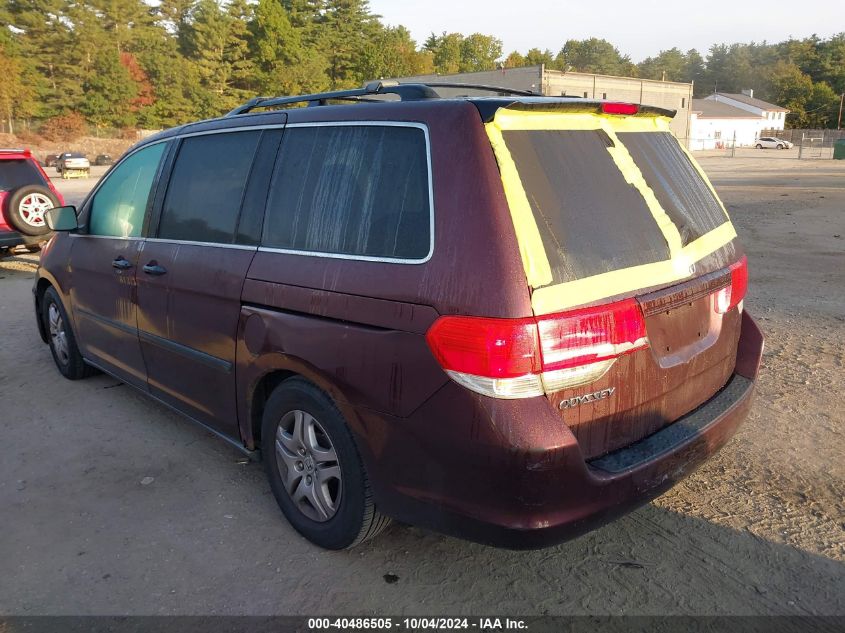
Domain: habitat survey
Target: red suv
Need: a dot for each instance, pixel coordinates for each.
(26, 193)
(507, 318)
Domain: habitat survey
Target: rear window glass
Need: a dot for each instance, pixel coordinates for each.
(678, 185)
(351, 190)
(206, 187)
(590, 219)
(17, 173)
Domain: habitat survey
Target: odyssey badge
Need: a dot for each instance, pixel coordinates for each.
(587, 397)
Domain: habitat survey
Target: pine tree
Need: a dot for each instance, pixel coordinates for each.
(345, 29)
(109, 92)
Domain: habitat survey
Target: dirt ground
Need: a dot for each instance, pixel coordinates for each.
(111, 504)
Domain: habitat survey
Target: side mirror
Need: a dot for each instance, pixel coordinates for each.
(62, 218)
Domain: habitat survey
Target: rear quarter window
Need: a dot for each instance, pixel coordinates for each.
(353, 190)
(677, 184)
(590, 219)
(17, 173)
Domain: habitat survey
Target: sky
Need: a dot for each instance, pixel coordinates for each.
(639, 28)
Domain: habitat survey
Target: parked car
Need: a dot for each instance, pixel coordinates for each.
(26, 193)
(50, 160)
(772, 142)
(506, 318)
(73, 165)
(103, 159)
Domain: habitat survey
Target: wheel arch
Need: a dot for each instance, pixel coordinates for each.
(41, 287)
(272, 375)
(258, 400)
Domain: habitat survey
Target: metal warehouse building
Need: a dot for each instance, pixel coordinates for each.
(665, 94)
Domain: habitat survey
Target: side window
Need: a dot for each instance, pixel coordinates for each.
(119, 206)
(206, 187)
(358, 190)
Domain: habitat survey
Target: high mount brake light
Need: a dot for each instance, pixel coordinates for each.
(619, 108)
(731, 296)
(520, 358)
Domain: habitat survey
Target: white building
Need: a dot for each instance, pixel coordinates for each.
(773, 115)
(723, 118)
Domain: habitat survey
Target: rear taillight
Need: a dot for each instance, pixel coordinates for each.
(519, 358)
(580, 346)
(732, 296)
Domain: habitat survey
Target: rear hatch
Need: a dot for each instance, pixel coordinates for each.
(635, 275)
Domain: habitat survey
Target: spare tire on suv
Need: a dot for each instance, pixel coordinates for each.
(25, 209)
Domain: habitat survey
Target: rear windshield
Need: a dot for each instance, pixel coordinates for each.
(17, 173)
(590, 219)
(678, 185)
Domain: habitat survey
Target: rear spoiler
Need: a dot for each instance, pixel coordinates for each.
(488, 107)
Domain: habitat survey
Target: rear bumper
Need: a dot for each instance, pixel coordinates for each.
(9, 239)
(533, 488)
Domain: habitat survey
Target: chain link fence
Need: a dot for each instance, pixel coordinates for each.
(811, 144)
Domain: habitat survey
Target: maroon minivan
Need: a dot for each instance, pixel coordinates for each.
(509, 318)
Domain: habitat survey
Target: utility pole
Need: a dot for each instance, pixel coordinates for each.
(839, 124)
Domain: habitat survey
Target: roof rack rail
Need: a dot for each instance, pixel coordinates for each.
(406, 92)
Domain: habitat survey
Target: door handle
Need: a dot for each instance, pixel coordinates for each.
(121, 263)
(154, 269)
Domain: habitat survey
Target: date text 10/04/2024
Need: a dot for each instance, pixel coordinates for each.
(487, 625)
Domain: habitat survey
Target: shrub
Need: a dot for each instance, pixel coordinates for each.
(29, 138)
(65, 127)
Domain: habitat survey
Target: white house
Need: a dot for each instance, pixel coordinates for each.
(773, 114)
(723, 118)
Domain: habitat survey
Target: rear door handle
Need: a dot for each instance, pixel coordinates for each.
(121, 263)
(154, 269)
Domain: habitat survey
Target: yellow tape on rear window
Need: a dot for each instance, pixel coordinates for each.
(531, 249)
(552, 298)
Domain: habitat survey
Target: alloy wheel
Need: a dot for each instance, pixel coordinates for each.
(308, 465)
(58, 335)
(33, 207)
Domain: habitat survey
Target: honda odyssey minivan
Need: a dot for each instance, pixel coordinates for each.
(507, 318)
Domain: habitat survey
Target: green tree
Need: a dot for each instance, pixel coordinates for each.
(393, 53)
(236, 51)
(344, 30)
(535, 57)
(822, 107)
(515, 60)
(595, 56)
(175, 16)
(831, 65)
(44, 36)
(109, 92)
(283, 64)
(479, 52)
(669, 65)
(446, 49)
(694, 69)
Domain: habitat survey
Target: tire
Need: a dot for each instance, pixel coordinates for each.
(779, 146)
(759, 146)
(67, 357)
(343, 513)
(25, 207)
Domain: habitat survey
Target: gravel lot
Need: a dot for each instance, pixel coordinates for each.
(113, 505)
